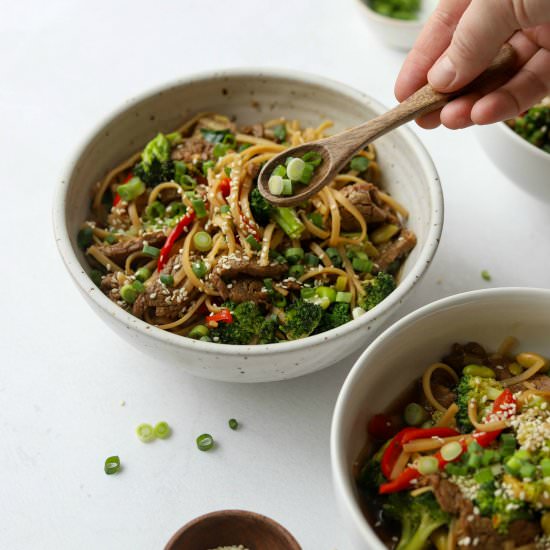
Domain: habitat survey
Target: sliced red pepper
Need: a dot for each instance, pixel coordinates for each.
(174, 235)
(392, 452)
(117, 199)
(225, 187)
(222, 316)
(400, 483)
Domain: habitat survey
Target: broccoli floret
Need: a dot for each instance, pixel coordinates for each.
(286, 218)
(301, 319)
(480, 389)
(485, 498)
(154, 173)
(247, 322)
(377, 289)
(268, 330)
(337, 314)
(371, 476)
(261, 209)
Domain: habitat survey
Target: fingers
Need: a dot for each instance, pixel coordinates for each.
(482, 30)
(429, 121)
(540, 35)
(432, 42)
(525, 89)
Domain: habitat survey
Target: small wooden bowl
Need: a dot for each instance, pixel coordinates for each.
(232, 527)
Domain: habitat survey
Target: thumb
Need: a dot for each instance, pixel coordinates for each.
(484, 27)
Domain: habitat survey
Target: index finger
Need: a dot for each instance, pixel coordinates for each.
(432, 42)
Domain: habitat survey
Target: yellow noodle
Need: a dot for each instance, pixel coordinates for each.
(133, 256)
(316, 249)
(354, 211)
(488, 426)
(102, 259)
(534, 363)
(313, 229)
(395, 205)
(426, 383)
(266, 243)
(355, 284)
(430, 443)
(322, 271)
(400, 465)
(448, 417)
(134, 216)
(334, 215)
(507, 345)
(186, 317)
(161, 187)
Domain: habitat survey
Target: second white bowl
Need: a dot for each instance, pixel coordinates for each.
(401, 354)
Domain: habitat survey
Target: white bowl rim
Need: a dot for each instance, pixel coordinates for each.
(340, 476)
(529, 147)
(83, 281)
(387, 19)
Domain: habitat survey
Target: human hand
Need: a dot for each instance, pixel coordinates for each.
(459, 42)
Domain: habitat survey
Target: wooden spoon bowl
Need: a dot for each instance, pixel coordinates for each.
(337, 150)
(232, 528)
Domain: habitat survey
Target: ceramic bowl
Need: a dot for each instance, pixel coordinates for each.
(396, 33)
(232, 528)
(524, 164)
(400, 355)
(250, 96)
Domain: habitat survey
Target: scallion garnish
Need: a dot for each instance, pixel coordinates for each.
(162, 430)
(205, 442)
(202, 241)
(112, 465)
(152, 251)
(233, 424)
(145, 432)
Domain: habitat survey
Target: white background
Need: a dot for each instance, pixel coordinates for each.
(63, 374)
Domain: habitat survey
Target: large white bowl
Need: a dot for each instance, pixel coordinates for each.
(250, 95)
(526, 165)
(396, 33)
(400, 355)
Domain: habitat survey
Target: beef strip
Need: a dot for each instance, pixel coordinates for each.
(395, 249)
(243, 288)
(110, 286)
(119, 251)
(443, 394)
(193, 148)
(539, 382)
(164, 304)
(256, 130)
(476, 529)
(364, 196)
(465, 354)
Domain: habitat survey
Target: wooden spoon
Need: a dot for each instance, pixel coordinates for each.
(337, 150)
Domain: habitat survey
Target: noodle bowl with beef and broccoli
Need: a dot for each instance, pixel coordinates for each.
(180, 236)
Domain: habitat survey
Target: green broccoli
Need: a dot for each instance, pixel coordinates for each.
(268, 330)
(155, 166)
(301, 319)
(485, 498)
(286, 218)
(480, 389)
(247, 322)
(377, 289)
(419, 517)
(337, 314)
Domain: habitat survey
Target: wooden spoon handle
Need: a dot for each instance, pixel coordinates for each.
(423, 101)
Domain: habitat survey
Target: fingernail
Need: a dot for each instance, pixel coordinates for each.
(442, 74)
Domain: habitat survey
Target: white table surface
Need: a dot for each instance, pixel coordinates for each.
(63, 374)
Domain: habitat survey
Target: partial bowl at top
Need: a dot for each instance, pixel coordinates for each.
(400, 355)
(525, 164)
(396, 33)
(249, 96)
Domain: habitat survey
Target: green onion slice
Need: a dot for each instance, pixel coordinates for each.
(162, 430)
(233, 424)
(205, 442)
(112, 465)
(202, 241)
(145, 432)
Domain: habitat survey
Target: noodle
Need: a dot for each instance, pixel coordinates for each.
(534, 363)
(426, 384)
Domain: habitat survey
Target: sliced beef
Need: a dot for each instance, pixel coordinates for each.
(256, 130)
(110, 286)
(245, 290)
(443, 394)
(364, 196)
(164, 304)
(192, 149)
(539, 382)
(119, 251)
(523, 532)
(395, 250)
(448, 495)
(242, 278)
(465, 354)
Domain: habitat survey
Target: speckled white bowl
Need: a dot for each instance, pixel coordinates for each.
(396, 33)
(250, 95)
(524, 164)
(400, 355)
